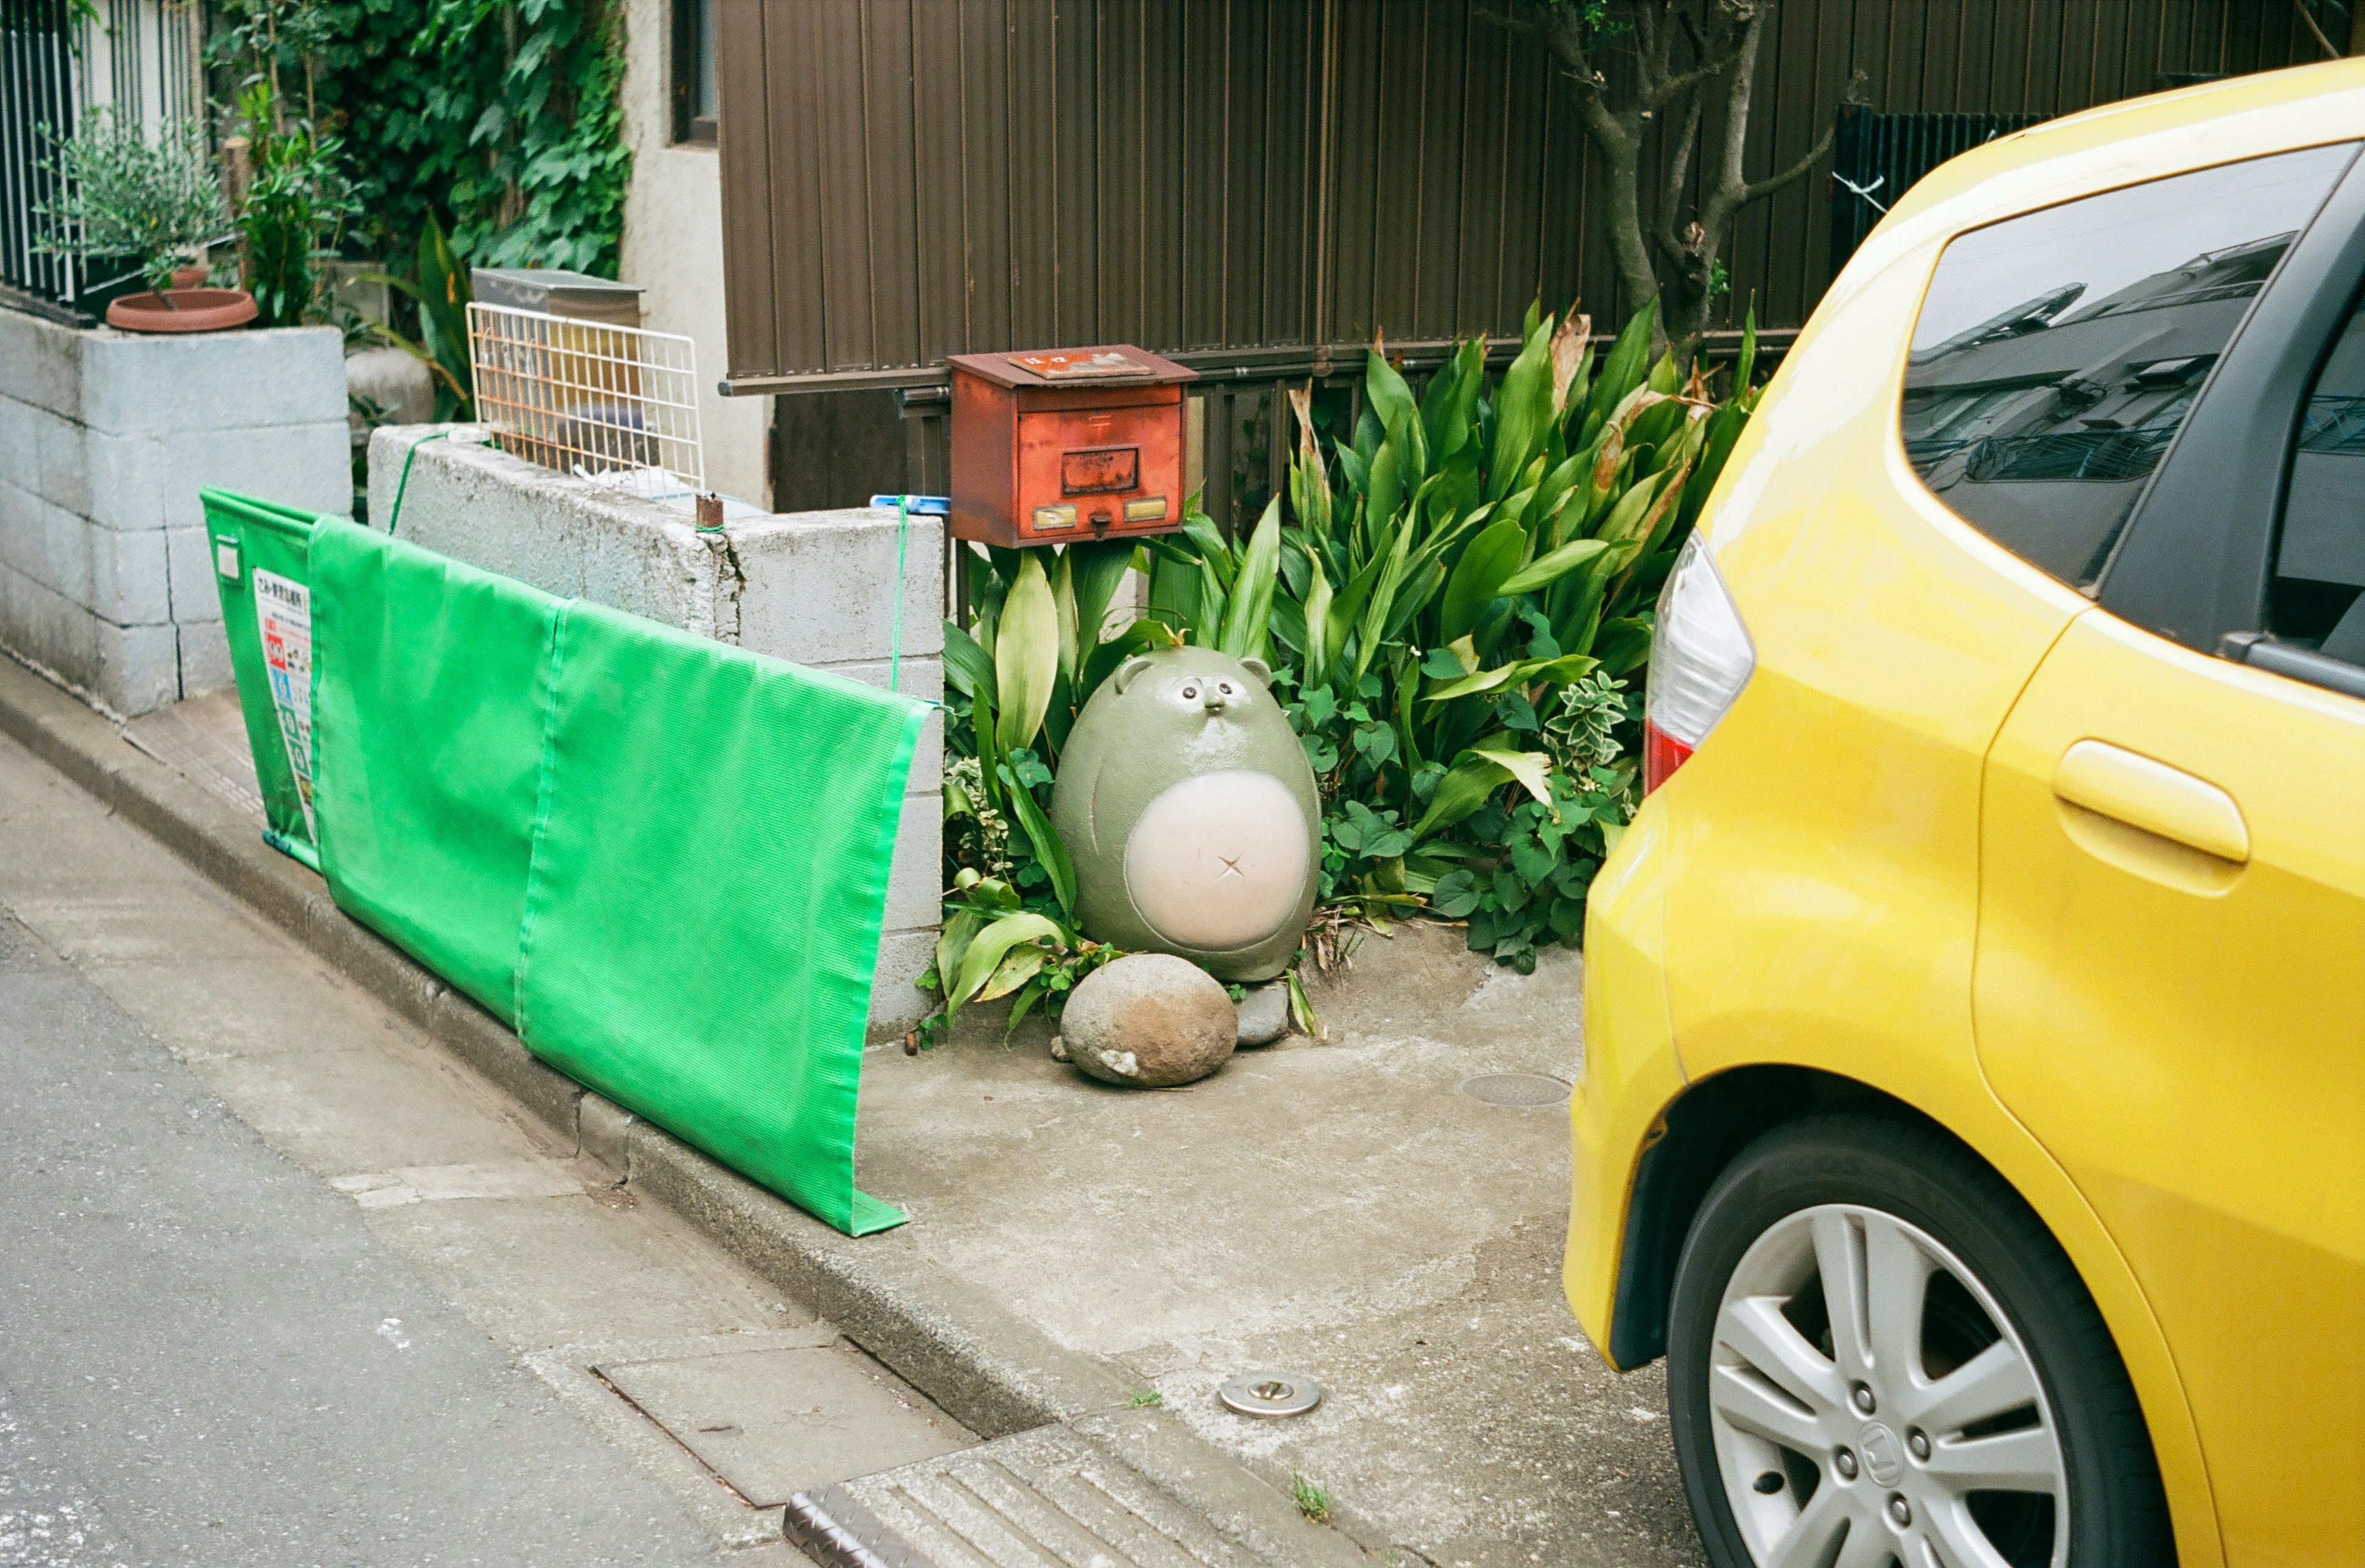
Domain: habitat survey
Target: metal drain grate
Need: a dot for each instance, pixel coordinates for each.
(1526, 1090)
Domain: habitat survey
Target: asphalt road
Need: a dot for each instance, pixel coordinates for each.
(206, 1356)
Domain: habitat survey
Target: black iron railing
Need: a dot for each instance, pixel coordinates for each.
(1876, 158)
(36, 100)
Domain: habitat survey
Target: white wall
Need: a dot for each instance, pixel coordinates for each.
(673, 246)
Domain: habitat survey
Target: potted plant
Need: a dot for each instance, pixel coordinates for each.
(158, 202)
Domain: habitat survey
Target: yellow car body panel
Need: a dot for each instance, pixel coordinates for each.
(2184, 1028)
(1806, 891)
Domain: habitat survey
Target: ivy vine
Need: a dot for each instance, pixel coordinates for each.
(502, 117)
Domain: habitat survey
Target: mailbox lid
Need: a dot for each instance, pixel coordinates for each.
(1111, 366)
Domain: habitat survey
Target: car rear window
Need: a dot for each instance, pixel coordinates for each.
(2058, 353)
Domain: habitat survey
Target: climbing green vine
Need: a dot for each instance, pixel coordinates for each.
(502, 117)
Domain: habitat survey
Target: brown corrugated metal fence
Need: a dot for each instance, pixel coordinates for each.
(1251, 185)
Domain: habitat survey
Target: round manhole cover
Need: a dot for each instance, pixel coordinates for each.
(1525, 1089)
(1271, 1393)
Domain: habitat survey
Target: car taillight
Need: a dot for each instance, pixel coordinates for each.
(1700, 658)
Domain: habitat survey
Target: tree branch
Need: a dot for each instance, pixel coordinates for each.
(1772, 183)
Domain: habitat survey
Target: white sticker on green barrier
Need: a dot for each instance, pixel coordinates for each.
(283, 613)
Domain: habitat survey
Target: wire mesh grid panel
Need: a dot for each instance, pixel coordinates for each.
(617, 404)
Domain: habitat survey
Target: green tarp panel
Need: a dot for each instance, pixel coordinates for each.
(663, 859)
(709, 881)
(258, 551)
(430, 720)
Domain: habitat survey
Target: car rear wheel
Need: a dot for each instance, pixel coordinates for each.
(1876, 1354)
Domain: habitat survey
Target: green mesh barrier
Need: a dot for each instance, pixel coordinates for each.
(710, 877)
(663, 860)
(259, 557)
(429, 718)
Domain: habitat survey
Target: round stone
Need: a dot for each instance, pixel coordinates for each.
(1217, 861)
(1150, 1020)
(1264, 1014)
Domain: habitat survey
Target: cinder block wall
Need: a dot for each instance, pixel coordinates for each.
(106, 438)
(818, 588)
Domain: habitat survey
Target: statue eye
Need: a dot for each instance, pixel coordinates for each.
(1225, 688)
(1190, 694)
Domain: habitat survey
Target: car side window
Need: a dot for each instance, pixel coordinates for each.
(2313, 600)
(2058, 353)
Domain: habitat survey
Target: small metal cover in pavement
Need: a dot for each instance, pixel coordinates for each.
(1271, 1393)
(1522, 1089)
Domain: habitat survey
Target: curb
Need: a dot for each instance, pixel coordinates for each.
(988, 1369)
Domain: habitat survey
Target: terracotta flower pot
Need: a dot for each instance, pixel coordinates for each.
(182, 310)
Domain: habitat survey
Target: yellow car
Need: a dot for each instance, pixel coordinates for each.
(1973, 1111)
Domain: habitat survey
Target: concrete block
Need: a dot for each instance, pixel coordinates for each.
(915, 881)
(205, 658)
(128, 583)
(566, 536)
(896, 1003)
(117, 576)
(189, 571)
(922, 678)
(44, 362)
(305, 465)
(820, 586)
(127, 480)
(128, 671)
(21, 524)
(65, 471)
(20, 444)
(141, 384)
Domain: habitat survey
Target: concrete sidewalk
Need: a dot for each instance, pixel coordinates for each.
(1344, 1210)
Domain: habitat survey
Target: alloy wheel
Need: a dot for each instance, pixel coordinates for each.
(1870, 1403)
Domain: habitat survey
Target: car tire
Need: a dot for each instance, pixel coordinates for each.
(1814, 1437)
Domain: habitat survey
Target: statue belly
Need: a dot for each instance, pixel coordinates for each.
(1219, 861)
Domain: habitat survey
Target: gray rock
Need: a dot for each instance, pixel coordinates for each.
(1150, 1020)
(1264, 1014)
(1059, 1048)
(393, 382)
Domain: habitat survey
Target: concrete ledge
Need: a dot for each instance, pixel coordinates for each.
(988, 1369)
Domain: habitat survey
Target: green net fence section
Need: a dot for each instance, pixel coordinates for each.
(662, 860)
(258, 551)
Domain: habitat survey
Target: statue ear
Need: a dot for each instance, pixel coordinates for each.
(1259, 668)
(1126, 671)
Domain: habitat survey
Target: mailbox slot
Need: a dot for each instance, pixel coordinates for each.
(1094, 470)
(1042, 454)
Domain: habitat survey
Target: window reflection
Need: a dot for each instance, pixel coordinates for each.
(2057, 353)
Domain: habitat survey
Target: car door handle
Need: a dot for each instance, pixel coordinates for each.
(2133, 789)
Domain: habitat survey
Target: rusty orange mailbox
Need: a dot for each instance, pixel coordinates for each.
(1066, 444)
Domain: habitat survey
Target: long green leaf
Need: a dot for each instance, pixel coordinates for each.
(1528, 766)
(1485, 680)
(1049, 848)
(967, 666)
(1463, 790)
(1387, 486)
(952, 945)
(987, 949)
(1245, 624)
(1025, 655)
(1629, 357)
(1478, 577)
(1523, 414)
(1549, 569)
(1318, 625)
(1062, 573)
(1099, 566)
(1173, 588)
(1748, 360)
(1391, 399)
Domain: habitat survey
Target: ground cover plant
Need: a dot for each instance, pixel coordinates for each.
(1456, 606)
